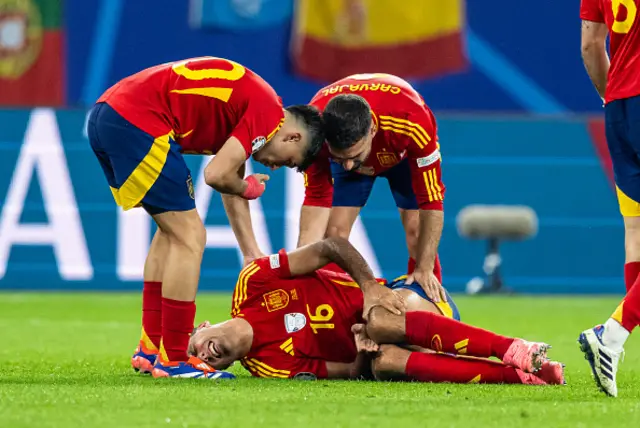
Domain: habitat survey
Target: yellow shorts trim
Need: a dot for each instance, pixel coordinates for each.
(144, 176)
(628, 207)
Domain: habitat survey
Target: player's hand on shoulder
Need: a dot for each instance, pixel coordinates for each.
(429, 284)
(380, 295)
(363, 342)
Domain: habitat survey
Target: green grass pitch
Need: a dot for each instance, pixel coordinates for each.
(64, 362)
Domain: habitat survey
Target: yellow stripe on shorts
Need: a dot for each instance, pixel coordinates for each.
(144, 176)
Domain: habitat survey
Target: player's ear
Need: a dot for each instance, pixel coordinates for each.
(294, 137)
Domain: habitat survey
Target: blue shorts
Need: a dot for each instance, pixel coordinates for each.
(622, 125)
(448, 308)
(351, 189)
(141, 170)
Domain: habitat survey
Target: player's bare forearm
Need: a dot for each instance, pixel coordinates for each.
(313, 224)
(431, 223)
(222, 172)
(594, 54)
(361, 368)
(336, 250)
(239, 216)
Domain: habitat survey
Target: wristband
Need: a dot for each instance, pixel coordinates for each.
(254, 189)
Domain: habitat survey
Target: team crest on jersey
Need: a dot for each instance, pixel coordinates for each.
(294, 322)
(387, 159)
(257, 144)
(21, 37)
(192, 193)
(276, 300)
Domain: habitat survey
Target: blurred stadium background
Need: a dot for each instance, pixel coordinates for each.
(519, 124)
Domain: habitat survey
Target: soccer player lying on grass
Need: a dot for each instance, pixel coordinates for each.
(293, 319)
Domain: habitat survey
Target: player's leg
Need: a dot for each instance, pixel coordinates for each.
(350, 194)
(148, 348)
(401, 187)
(395, 363)
(433, 331)
(603, 344)
(151, 172)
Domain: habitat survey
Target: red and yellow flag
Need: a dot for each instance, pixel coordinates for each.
(408, 38)
(31, 53)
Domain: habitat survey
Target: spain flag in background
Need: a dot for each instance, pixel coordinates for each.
(408, 38)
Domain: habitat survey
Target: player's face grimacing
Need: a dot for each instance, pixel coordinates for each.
(297, 142)
(213, 344)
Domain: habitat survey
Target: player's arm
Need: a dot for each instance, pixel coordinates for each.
(308, 259)
(337, 250)
(222, 172)
(315, 211)
(594, 49)
(239, 215)
(426, 179)
(359, 369)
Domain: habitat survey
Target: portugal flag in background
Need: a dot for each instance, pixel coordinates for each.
(409, 38)
(31, 53)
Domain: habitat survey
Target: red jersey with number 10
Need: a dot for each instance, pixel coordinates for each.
(201, 102)
(406, 129)
(620, 16)
(298, 323)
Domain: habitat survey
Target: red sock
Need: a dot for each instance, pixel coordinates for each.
(628, 313)
(447, 368)
(437, 268)
(177, 325)
(152, 312)
(631, 273)
(443, 334)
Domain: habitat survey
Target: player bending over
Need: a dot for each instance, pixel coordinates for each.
(139, 130)
(377, 125)
(618, 84)
(293, 319)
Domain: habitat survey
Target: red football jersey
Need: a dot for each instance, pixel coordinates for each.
(298, 323)
(201, 102)
(624, 43)
(406, 129)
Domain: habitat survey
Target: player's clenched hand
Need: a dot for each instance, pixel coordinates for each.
(429, 284)
(256, 184)
(379, 295)
(363, 343)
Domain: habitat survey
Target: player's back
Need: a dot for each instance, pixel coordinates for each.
(620, 16)
(200, 100)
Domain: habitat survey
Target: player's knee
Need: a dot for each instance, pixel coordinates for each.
(337, 231)
(382, 326)
(186, 230)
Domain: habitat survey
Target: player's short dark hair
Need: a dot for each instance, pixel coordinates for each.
(347, 120)
(312, 119)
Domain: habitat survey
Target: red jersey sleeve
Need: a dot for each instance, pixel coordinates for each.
(318, 182)
(259, 124)
(286, 367)
(591, 10)
(424, 161)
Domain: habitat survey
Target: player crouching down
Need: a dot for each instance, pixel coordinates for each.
(293, 319)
